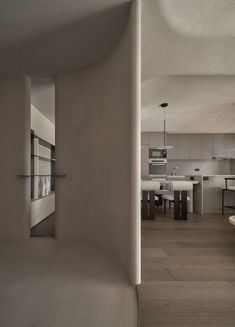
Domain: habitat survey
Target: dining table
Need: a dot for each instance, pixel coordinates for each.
(158, 187)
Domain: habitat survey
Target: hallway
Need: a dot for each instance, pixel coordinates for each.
(188, 272)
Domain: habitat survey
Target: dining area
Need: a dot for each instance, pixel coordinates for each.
(165, 195)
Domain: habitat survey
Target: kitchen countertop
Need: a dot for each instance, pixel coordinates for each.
(168, 181)
(219, 175)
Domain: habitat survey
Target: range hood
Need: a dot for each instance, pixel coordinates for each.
(164, 146)
(223, 158)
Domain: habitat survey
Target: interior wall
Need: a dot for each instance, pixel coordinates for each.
(15, 156)
(43, 96)
(96, 123)
(42, 126)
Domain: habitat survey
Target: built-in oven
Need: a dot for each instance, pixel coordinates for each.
(157, 166)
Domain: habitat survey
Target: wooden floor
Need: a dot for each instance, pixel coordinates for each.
(188, 272)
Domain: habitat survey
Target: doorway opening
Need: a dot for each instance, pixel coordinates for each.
(42, 219)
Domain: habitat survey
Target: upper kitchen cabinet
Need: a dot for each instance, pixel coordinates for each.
(144, 138)
(207, 146)
(156, 139)
(183, 151)
(195, 146)
(172, 139)
(144, 160)
(230, 145)
(219, 145)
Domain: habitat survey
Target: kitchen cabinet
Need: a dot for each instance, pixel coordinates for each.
(144, 138)
(156, 139)
(183, 150)
(172, 140)
(195, 146)
(192, 146)
(207, 146)
(219, 145)
(144, 160)
(230, 145)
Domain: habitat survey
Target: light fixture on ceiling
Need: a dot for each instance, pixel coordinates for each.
(164, 147)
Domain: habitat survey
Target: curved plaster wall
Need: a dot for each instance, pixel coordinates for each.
(15, 156)
(98, 144)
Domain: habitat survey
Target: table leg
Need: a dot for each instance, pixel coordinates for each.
(222, 202)
(184, 205)
(145, 205)
(177, 205)
(151, 204)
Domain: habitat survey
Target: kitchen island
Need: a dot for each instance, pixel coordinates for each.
(212, 193)
(206, 196)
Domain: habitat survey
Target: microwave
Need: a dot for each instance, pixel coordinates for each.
(155, 153)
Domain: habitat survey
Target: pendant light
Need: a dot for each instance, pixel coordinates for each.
(164, 147)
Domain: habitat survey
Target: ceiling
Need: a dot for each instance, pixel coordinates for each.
(46, 36)
(188, 37)
(188, 51)
(197, 104)
(179, 37)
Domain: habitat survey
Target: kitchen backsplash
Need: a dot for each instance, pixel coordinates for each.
(210, 167)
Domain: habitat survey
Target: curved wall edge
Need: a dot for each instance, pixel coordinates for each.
(97, 140)
(136, 143)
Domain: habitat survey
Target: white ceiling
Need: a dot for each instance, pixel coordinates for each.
(45, 36)
(188, 37)
(197, 104)
(188, 51)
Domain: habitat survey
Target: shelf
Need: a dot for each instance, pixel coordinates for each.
(44, 152)
(56, 175)
(43, 142)
(43, 158)
(43, 197)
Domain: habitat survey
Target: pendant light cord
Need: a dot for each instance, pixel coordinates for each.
(164, 127)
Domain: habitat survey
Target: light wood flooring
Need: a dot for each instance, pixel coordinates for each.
(188, 272)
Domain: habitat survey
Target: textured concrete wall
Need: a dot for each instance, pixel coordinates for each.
(97, 138)
(15, 156)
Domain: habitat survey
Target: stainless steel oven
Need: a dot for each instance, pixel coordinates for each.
(157, 166)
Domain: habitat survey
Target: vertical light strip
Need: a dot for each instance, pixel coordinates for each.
(136, 143)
